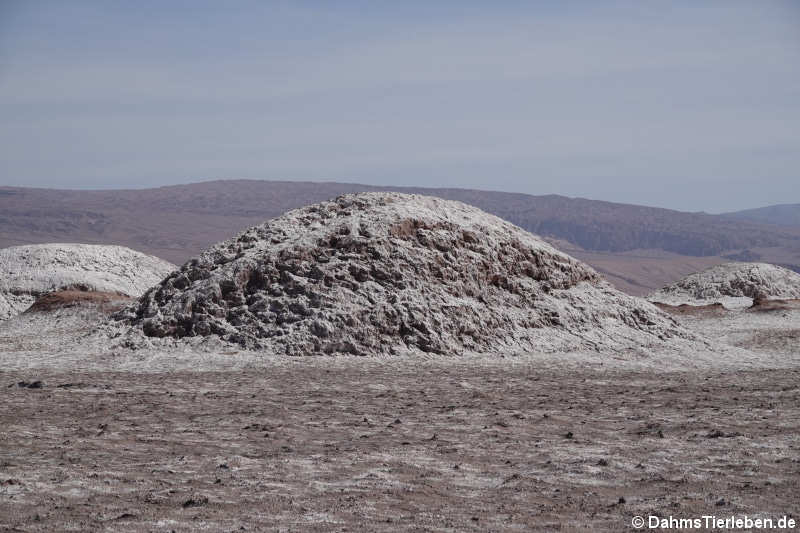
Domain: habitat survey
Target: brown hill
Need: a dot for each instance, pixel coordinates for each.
(778, 215)
(638, 248)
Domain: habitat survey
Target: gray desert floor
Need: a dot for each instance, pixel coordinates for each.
(433, 446)
(186, 440)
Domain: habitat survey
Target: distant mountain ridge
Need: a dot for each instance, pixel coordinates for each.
(779, 215)
(177, 222)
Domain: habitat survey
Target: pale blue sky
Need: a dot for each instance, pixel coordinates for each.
(690, 105)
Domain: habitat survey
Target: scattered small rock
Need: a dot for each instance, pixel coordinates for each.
(651, 428)
(195, 501)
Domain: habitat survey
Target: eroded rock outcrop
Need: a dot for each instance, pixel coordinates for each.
(388, 273)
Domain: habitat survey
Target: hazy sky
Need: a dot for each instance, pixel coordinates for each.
(690, 105)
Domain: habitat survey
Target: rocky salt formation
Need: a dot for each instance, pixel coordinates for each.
(29, 272)
(388, 273)
(734, 285)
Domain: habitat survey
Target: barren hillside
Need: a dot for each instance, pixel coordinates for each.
(779, 215)
(178, 222)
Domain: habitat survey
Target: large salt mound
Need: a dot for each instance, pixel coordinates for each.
(28, 272)
(731, 284)
(386, 273)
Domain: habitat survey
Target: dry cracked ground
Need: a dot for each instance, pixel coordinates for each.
(355, 445)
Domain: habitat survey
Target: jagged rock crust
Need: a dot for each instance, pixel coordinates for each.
(386, 273)
(28, 272)
(731, 284)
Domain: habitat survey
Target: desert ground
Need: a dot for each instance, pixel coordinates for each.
(236, 441)
(317, 444)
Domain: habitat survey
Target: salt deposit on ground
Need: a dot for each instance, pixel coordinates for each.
(68, 339)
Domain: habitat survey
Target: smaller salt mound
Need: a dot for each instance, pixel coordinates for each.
(28, 272)
(734, 285)
(387, 273)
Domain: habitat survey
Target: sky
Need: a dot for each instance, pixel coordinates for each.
(690, 105)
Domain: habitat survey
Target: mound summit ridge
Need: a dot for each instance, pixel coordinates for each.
(391, 273)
